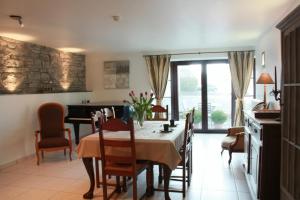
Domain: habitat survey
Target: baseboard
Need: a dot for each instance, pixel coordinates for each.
(14, 162)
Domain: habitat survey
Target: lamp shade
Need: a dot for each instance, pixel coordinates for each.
(265, 78)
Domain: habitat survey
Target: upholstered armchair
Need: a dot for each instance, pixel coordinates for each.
(51, 136)
(234, 141)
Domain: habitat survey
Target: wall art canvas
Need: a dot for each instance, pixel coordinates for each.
(116, 74)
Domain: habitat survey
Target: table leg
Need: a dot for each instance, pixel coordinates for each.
(88, 163)
(167, 173)
(149, 178)
(76, 132)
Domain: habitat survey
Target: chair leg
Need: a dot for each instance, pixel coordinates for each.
(222, 151)
(189, 171)
(70, 154)
(118, 185)
(104, 186)
(97, 173)
(230, 156)
(37, 157)
(191, 157)
(124, 186)
(184, 179)
(134, 187)
(160, 174)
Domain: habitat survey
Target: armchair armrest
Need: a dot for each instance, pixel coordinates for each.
(239, 142)
(235, 130)
(37, 133)
(67, 130)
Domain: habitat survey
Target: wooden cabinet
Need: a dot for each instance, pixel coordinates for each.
(262, 145)
(290, 99)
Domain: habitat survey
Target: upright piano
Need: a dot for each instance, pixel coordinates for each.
(81, 113)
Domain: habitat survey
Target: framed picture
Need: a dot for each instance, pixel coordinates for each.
(263, 58)
(116, 74)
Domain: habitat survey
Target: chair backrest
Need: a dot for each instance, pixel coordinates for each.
(159, 113)
(109, 112)
(96, 118)
(192, 118)
(187, 133)
(51, 120)
(114, 125)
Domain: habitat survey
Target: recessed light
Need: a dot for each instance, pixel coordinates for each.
(18, 36)
(71, 49)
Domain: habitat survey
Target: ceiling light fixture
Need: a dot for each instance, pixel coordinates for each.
(18, 18)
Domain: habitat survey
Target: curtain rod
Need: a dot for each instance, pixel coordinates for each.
(203, 52)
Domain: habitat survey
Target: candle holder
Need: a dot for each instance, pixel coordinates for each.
(275, 92)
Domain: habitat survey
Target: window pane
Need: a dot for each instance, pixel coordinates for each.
(219, 96)
(168, 90)
(167, 101)
(250, 90)
(189, 91)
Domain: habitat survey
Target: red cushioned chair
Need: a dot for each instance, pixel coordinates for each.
(51, 136)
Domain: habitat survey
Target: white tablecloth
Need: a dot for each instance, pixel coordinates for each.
(151, 144)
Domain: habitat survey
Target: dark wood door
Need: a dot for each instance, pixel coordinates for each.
(290, 99)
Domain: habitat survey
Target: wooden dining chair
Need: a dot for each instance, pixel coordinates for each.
(191, 127)
(185, 153)
(159, 113)
(119, 164)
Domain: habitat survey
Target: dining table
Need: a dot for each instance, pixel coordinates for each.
(152, 144)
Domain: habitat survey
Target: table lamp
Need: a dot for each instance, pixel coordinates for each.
(265, 79)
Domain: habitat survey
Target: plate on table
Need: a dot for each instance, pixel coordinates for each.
(163, 131)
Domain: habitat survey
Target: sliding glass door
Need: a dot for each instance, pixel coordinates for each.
(205, 86)
(189, 91)
(219, 95)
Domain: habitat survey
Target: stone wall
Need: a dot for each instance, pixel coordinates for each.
(30, 68)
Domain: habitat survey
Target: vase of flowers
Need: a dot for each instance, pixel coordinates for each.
(141, 106)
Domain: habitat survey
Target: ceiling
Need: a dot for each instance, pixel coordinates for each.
(144, 25)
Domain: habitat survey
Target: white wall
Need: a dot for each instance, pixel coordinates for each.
(18, 121)
(270, 43)
(138, 78)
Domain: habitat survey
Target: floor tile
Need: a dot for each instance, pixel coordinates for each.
(244, 196)
(35, 194)
(218, 195)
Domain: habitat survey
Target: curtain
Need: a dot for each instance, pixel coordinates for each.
(158, 70)
(241, 66)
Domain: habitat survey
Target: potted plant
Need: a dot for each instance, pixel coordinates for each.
(141, 106)
(218, 117)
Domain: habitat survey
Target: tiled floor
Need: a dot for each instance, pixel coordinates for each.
(59, 179)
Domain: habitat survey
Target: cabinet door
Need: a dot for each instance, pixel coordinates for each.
(290, 153)
(254, 165)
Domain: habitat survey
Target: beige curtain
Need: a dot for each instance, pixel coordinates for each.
(158, 70)
(241, 66)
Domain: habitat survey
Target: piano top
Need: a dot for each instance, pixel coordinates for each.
(101, 103)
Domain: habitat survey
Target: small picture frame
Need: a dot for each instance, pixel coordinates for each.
(263, 59)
